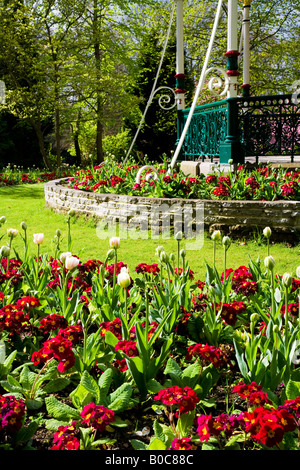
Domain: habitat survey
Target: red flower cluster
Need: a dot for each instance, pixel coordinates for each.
(221, 191)
(28, 302)
(99, 184)
(111, 267)
(148, 268)
(245, 390)
(289, 189)
(242, 280)
(97, 416)
(115, 326)
(52, 322)
(231, 310)
(208, 354)
(13, 320)
(268, 426)
(12, 412)
(58, 348)
(185, 399)
(252, 182)
(191, 273)
(66, 438)
(209, 425)
(184, 443)
(115, 180)
(293, 309)
(128, 347)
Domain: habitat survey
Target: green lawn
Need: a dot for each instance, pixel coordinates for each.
(26, 203)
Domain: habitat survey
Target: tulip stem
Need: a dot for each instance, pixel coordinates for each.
(115, 270)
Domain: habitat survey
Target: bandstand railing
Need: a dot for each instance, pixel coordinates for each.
(258, 126)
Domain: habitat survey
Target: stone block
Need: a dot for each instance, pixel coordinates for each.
(190, 168)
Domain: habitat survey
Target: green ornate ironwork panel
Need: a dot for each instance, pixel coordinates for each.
(269, 125)
(206, 132)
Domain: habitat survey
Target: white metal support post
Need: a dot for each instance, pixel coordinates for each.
(232, 48)
(246, 48)
(180, 75)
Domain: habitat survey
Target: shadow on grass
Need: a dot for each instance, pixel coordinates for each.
(35, 191)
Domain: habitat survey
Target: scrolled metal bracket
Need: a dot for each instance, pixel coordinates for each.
(216, 83)
(143, 168)
(166, 98)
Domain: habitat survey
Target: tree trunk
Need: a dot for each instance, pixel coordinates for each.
(39, 133)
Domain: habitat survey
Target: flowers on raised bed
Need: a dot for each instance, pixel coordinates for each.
(165, 338)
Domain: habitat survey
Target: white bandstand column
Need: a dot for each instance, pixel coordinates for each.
(246, 47)
(180, 75)
(232, 48)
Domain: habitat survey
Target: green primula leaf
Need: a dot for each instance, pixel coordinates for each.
(59, 410)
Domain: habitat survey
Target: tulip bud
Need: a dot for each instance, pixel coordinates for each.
(63, 256)
(164, 257)
(226, 242)
(172, 257)
(267, 232)
(124, 279)
(182, 253)
(71, 212)
(110, 254)
(254, 317)
(4, 251)
(114, 242)
(12, 232)
(2, 220)
(178, 236)
(58, 233)
(269, 262)
(287, 279)
(38, 238)
(71, 262)
(216, 235)
(159, 249)
(23, 226)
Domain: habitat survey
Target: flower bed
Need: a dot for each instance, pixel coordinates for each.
(11, 176)
(93, 357)
(260, 184)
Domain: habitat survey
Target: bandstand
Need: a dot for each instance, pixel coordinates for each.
(239, 125)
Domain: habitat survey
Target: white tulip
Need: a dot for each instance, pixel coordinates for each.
(114, 242)
(71, 262)
(38, 238)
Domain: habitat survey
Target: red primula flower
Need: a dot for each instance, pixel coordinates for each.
(97, 416)
(184, 443)
(231, 310)
(209, 354)
(52, 322)
(128, 347)
(185, 399)
(57, 348)
(66, 438)
(244, 390)
(12, 411)
(148, 268)
(115, 326)
(28, 302)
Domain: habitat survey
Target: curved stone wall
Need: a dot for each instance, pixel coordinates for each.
(229, 216)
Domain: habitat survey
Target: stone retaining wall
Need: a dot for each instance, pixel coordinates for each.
(229, 216)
